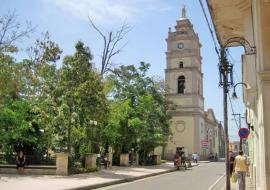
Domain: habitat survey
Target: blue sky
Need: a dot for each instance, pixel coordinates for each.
(67, 22)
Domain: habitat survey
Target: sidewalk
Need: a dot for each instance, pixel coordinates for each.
(82, 181)
(221, 185)
(249, 185)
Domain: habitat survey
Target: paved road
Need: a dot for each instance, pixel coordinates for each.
(201, 177)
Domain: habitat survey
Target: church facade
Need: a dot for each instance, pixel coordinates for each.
(192, 128)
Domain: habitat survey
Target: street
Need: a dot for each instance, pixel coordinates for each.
(201, 177)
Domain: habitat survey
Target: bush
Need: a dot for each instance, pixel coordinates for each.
(76, 166)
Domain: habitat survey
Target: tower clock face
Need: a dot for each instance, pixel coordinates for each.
(180, 45)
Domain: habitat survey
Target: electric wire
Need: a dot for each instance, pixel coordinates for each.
(239, 107)
(237, 77)
(209, 27)
(234, 61)
(233, 113)
(238, 102)
(217, 51)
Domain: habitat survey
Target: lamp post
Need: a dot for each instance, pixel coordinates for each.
(138, 140)
(92, 123)
(226, 81)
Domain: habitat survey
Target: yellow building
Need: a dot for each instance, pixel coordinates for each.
(192, 127)
(250, 20)
(214, 135)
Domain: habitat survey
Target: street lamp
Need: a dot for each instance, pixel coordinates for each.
(234, 95)
(41, 130)
(93, 123)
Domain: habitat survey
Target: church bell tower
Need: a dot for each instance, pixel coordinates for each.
(184, 80)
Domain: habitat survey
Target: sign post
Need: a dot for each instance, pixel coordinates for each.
(243, 133)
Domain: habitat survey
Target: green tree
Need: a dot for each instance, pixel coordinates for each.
(35, 82)
(11, 31)
(83, 95)
(10, 80)
(139, 112)
(41, 81)
(18, 129)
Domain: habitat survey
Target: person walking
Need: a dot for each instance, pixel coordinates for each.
(195, 157)
(240, 166)
(232, 158)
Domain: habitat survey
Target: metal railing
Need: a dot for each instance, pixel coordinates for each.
(30, 160)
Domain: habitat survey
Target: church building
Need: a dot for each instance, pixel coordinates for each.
(192, 128)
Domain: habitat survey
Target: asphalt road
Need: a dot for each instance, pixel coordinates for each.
(200, 177)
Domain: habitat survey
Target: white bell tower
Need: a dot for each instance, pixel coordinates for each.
(184, 87)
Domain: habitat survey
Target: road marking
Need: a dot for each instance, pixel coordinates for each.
(211, 187)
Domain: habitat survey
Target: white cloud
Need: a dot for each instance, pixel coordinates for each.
(109, 11)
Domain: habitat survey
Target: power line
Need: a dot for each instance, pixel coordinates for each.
(209, 27)
(238, 126)
(237, 77)
(234, 61)
(238, 80)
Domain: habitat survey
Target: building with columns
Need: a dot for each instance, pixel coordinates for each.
(192, 128)
(250, 21)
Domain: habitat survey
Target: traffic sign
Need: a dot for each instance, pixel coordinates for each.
(243, 132)
(204, 143)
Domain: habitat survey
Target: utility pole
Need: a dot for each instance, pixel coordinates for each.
(227, 159)
(239, 126)
(226, 81)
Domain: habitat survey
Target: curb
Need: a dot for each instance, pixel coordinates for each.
(130, 179)
(204, 162)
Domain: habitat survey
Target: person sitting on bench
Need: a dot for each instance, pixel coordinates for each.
(20, 158)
